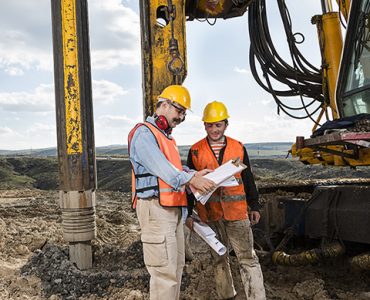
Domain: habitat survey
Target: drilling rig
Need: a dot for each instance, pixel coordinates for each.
(338, 90)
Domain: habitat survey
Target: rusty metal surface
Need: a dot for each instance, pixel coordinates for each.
(336, 138)
(225, 9)
(155, 44)
(73, 95)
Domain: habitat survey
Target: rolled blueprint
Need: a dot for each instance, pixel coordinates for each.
(209, 236)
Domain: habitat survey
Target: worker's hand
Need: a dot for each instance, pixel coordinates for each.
(190, 223)
(254, 217)
(203, 172)
(201, 184)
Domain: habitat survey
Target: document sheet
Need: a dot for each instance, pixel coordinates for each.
(222, 176)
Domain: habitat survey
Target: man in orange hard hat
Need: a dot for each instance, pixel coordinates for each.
(226, 212)
(158, 190)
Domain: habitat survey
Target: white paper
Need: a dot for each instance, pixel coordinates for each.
(222, 176)
(230, 182)
(209, 236)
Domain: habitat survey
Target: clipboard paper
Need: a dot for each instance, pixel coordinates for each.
(224, 173)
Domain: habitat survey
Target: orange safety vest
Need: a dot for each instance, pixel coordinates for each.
(166, 194)
(229, 203)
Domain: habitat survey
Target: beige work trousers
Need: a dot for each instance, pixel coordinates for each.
(162, 235)
(239, 235)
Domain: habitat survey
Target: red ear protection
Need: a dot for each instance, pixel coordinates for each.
(162, 123)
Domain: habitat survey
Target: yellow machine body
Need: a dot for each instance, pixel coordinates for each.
(157, 55)
(156, 34)
(331, 44)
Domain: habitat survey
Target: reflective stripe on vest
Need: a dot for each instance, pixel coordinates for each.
(167, 195)
(171, 190)
(229, 198)
(227, 202)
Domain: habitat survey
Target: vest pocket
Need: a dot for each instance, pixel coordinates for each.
(154, 248)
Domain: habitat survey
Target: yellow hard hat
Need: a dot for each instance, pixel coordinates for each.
(215, 112)
(178, 94)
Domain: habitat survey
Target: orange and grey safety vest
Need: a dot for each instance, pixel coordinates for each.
(166, 194)
(229, 203)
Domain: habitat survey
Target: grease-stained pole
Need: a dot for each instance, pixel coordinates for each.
(75, 130)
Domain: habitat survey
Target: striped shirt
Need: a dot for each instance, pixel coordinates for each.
(216, 147)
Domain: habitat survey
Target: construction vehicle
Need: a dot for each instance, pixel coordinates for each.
(338, 90)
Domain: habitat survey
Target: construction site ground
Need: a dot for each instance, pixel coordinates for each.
(34, 257)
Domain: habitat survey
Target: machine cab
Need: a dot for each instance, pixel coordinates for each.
(353, 88)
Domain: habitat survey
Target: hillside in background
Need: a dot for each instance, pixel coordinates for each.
(42, 173)
(115, 174)
(255, 150)
(105, 150)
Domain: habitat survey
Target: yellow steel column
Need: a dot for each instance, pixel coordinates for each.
(344, 6)
(71, 78)
(155, 44)
(331, 44)
(75, 127)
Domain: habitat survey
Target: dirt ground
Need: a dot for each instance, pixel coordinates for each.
(34, 258)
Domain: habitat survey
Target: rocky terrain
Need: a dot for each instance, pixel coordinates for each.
(34, 257)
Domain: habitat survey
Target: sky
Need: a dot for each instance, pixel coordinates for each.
(218, 69)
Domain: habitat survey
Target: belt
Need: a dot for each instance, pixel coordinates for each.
(148, 199)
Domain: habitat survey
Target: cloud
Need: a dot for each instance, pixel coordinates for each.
(113, 129)
(242, 71)
(266, 102)
(115, 35)
(114, 121)
(18, 56)
(26, 35)
(271, 128)
(38, 135)
(14, 71)
(106, 91)
(6, 131)
(40, 100)
(41, 128)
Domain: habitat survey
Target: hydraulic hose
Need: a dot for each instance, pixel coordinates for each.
(308, 257)
(361, 261)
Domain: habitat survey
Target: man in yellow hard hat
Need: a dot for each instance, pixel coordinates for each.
(226, 212)
(158, 191)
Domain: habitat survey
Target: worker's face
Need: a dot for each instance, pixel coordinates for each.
(175, 114)
(215, 131)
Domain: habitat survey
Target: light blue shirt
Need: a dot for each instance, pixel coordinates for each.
(146, 157)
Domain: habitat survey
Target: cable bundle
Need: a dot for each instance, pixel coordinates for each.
(302, 78)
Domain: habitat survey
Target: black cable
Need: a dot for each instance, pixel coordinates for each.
(301, 77)
(294, 51)
(340, 14)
